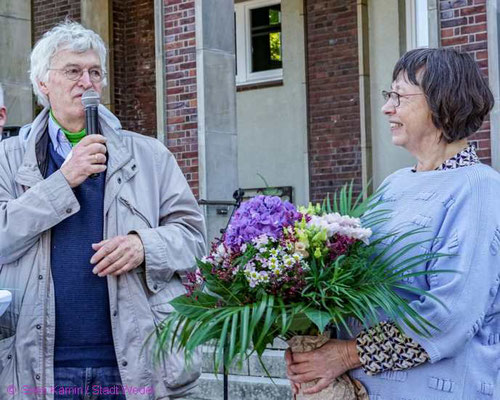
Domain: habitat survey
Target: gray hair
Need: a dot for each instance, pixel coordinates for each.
(1, 96)
(67, 35)
(457, 93)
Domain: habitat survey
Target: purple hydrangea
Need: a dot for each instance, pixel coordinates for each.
(261, 215)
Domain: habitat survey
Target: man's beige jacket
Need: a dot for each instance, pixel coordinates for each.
(145, 192)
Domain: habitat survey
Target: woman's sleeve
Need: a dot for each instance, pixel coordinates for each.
(460, 300)
(385, 348)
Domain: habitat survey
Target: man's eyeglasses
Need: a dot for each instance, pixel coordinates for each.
(395, 97)
(75, 73)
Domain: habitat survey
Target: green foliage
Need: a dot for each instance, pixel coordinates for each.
(358, 284)
(344, 203)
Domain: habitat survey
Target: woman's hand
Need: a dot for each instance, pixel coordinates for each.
(289, 361)
(325, 364)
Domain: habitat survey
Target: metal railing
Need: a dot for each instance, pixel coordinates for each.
(10, 131)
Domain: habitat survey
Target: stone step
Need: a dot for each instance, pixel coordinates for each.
(274, 361)
(248, 382)
(241, 387)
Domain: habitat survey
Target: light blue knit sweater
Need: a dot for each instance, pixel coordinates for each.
(461, 207)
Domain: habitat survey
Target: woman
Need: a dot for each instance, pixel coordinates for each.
(438, 98)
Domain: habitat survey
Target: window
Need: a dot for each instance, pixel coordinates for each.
(417, 24)
(258, 41)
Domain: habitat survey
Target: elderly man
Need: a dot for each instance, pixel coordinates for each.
(96, 233)
(3, 113)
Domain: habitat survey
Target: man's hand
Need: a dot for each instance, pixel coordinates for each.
(88, 157)
(117, 255)
(326, 363)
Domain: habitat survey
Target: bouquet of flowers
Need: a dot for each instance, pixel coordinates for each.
(282, 271)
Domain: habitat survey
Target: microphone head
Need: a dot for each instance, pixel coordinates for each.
(90, 98)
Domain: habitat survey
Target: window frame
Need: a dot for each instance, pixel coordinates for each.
(417, 24)
(244, 44)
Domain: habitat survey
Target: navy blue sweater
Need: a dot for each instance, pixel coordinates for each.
(83, 324)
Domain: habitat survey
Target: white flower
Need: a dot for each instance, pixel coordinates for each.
(336, 224)
(208, 260)
(252, 282)
(260, 241)
(288, 261)
(253, 277)
(263, 276)
(220, 253)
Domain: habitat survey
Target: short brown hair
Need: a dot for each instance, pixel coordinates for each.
(456, 91)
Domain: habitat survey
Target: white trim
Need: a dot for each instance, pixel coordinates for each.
(417, 24)
(434, 23)
(160, 71)
(244, 47)
(200, 88)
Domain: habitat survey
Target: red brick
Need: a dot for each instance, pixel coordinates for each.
(134, 65)
(445, 33)
(454, 41)
(480, 18)
(473, 10)
(470, 29)
(48, 13)
(182, 115)
(470, 35)
(333, 96)
(453, 22)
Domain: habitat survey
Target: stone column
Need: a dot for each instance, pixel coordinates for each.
(97, 15)
(217, 140)
(15, 47)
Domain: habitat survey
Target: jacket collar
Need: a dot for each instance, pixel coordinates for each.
(119, 156)
(36, 139)
(30, 173)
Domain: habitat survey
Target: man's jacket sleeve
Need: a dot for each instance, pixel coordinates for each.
(181, 237)
(25, 216)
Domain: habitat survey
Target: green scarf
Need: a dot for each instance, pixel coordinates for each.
(73, 137)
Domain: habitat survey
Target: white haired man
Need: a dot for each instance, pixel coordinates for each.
(92, 261)
(3, 113)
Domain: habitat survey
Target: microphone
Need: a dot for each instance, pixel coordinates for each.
(90, 101)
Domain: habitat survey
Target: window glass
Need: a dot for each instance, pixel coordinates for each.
(266, 38)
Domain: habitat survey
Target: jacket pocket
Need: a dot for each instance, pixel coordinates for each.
(11, 378)
(159, 301)
(129, 218)
(7, 354)
(175, 369)
(134, 211)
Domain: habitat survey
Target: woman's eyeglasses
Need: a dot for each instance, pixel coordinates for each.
(395, 97)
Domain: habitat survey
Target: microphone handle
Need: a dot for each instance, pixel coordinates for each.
(91, 126)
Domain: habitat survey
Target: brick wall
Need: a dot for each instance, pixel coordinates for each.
(182, 117)
(463, 26)
(47, 13)
(333, 94)
(134, 65)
